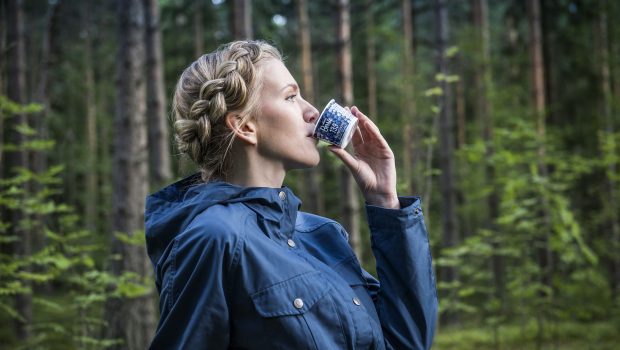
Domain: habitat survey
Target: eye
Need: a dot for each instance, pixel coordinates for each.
(291, 97)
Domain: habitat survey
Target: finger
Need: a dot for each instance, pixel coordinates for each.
(366, 125)
(357, 136)
(369, 130)
(361, 116)
(346, 158)
(356, 112)
(366, 131)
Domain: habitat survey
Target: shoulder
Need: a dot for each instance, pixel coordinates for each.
(219, 227)
(309, 223)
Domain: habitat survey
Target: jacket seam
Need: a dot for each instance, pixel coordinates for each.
(173, 272)
(264, 290)
(303, 317)
(234, 264)
(317, 226)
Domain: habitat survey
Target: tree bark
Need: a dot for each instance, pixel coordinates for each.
(349, 201)
(242, 19)
(3, 25)
(18, 158)
(39, 158)
(611, 171)
(314, 199)
(484, 109)
(544, 253)
(538, 69)
(198, 29)
(130, 319)
(158, 141)
(370, 61)
(539, 103)
(460, 113)
(446, 151)
(91, 178)
(408, 104)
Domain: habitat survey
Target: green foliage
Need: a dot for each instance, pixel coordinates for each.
(562, 335)
(10, 108)
(71, 316)
(569, 209)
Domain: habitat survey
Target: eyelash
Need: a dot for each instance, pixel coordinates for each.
(291, 97)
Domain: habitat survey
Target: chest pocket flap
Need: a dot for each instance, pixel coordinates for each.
(294, 296)
(351, 271)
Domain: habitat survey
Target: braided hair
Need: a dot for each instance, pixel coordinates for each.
(224, 81)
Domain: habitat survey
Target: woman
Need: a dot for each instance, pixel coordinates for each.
(237, 265)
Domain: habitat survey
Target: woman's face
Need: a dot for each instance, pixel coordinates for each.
(285, 120)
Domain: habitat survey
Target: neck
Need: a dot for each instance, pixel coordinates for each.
(251, 170)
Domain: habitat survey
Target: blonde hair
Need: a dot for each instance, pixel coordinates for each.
(225, 81)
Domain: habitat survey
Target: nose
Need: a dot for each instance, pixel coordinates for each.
(311, 114)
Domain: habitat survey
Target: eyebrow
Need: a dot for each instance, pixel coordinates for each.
(293, 85)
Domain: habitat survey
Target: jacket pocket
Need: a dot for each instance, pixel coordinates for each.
(294, 296)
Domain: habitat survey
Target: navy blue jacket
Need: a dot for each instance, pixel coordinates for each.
(242, 268)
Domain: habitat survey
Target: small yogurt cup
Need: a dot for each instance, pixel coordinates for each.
(335, 125)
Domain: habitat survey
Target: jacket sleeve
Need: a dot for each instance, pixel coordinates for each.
(406, 301)
(193, 299)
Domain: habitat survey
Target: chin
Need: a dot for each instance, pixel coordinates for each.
(308, 162)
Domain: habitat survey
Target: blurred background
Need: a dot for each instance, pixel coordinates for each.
(503, 116)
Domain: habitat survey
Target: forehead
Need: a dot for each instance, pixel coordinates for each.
(275, 75)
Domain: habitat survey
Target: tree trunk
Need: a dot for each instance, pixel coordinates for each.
(370, 62)
(130, 319)
(446, 151)
(18, 158)
(39, 158)
(484, 83)
(314, 198)
(611, 173)
(158, 142)
(349, 201)
(545, 259)
(3, 24)
(539, 103)
(408, 104)
(241, 19)
(460, 113)
(538, 69)
(198, 29)
(92, 172)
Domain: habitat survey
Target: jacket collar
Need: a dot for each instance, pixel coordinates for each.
(275, 208)
(170, 210)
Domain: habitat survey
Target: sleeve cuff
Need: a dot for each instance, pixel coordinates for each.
(398, 219)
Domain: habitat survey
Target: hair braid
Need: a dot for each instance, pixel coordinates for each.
(222, 82)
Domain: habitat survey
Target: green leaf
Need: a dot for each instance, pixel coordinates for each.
(452, 51)
(11, 312)
(138, 238)
(25, 129)
(434, 91)
(48, 304)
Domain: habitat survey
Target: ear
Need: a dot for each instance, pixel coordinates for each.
(245, 132)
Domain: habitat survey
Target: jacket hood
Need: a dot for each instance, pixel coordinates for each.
(170, 210)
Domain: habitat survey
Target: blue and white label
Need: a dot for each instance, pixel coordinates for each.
(335, 125)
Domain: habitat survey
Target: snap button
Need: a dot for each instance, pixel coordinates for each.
(298, 303)
(357, 301)
(282, 195)
(290, 243)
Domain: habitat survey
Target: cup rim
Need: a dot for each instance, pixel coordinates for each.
(332, 101)
(348, 135)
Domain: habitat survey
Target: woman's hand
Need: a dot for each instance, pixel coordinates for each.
(372, 163)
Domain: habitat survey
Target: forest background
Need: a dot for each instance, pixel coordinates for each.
(503, 116)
